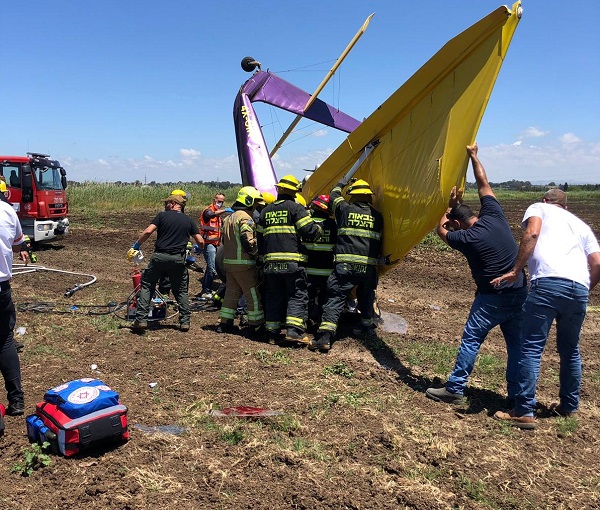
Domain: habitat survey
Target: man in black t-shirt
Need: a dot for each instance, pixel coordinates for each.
(173, 231)
(490, 248)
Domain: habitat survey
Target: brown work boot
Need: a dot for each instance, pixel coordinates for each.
(522, 422)
(184, 327)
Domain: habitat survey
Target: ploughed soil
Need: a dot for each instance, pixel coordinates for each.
(355, 429)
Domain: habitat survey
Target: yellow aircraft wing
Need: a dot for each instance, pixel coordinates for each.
(420, 134)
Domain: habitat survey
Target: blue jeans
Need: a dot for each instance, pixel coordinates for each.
(550, 299)
(488, 311)
(210, 254)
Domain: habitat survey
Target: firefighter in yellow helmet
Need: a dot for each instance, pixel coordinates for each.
(3, 190)
(282, 225)
(240, 251)
(356, 255)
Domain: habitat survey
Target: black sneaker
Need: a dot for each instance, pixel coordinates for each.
(15, 409)
(443, 395)
(321, 343)
(19, 346)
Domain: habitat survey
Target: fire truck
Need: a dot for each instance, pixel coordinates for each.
(36, 188)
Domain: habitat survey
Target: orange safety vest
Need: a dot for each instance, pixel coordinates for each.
(211, 231)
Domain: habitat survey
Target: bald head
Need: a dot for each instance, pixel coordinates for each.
(556, 196)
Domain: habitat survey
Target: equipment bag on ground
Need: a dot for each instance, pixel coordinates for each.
(78, 415)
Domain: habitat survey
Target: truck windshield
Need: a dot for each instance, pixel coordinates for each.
(48, 178)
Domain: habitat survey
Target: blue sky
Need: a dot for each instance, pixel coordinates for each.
(131, 89)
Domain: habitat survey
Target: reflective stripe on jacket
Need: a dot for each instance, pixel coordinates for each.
(211, 230)
(282, 225)
(239, 241)
(359, 230)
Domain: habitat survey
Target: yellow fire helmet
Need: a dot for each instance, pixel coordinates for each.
(269, 198)
(3, 187)
(247, 195)
(289, 182)
(301, 200)
(180, 193)
(359, 187)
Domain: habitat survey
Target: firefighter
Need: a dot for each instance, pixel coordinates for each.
(320, 257)
(240, 251)
(356, 255)
(3, 190)
(211, 223)
(283, 223)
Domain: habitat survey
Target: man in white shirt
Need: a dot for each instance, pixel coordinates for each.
(563, 257)
(11, 240)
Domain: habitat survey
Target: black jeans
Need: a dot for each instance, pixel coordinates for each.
(9, 359)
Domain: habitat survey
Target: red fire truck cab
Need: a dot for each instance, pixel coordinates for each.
(36, 188)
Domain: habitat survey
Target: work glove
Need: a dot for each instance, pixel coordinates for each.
(135, 246)
(135, 256)
(229, 210)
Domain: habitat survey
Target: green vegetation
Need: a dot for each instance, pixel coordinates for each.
(566, 426)
(34, 459)
(272, 357)
(340, 369)
(231, 435)
(90, 197)
(440, 357)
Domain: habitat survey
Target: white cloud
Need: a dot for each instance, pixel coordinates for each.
(532, 132)
(555, 161)
(569, 138)
(189, 153)
(320, 133)
(517, 143)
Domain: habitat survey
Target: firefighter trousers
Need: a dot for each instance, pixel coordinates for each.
(317, 293)
(339, 285)
(286, 299)
(242, 283)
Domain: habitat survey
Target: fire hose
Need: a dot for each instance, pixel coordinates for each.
(19, 269)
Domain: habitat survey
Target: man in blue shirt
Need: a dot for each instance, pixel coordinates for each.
(490, 248)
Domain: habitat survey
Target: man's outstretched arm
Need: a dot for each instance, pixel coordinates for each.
(483, 186)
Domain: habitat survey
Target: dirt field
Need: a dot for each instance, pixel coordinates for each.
(355, 429)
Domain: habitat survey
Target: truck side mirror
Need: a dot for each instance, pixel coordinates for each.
(63, 177)
(26, 183)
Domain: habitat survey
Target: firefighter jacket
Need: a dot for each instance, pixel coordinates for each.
(282, 225)
(210, 225)
(360, 226)
(239, 240)
(320, 251)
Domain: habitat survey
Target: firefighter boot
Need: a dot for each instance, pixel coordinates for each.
(321, 342)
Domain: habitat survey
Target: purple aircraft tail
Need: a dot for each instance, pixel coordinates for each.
(255, 164)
